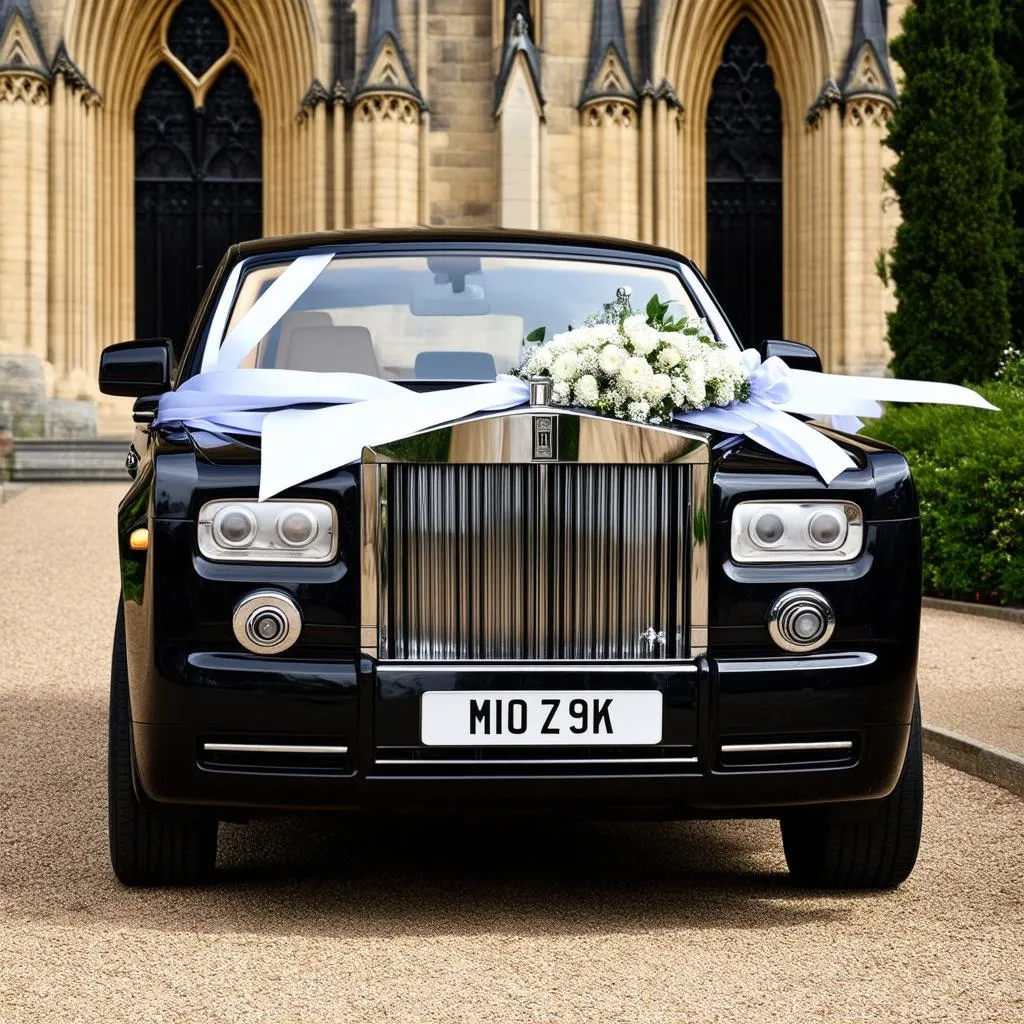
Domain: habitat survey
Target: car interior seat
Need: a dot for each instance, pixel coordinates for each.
(310, 341)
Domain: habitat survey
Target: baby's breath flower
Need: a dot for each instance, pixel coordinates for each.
(588, 360)
(639, 411)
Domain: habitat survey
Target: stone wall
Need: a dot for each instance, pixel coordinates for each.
(432, 147)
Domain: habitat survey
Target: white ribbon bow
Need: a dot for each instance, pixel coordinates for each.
(299, 444)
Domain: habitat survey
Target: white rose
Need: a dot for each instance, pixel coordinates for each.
(586, 391)
(639, 411)
(566, 367)
(668, 357)
(634, 375)
(560, 393)
(645, 339)
(611, 359)
(658, 387)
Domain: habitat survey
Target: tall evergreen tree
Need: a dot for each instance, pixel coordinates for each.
(954, 245)
(1010, 51)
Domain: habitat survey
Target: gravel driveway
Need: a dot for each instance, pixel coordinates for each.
(333, 920)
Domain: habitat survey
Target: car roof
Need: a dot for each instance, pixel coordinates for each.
(471, 236)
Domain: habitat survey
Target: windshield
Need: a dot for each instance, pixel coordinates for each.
(440, 316)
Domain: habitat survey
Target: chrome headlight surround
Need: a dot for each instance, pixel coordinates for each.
(804, 536)
(268, 543)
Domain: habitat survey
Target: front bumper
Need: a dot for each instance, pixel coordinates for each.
(846, 713)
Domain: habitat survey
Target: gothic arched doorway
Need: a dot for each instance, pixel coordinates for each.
(198, 170)
(744, 183)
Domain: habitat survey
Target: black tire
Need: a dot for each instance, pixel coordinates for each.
(149, 845)
(838, 848)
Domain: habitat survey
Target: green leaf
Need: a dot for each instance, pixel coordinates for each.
(535, 337)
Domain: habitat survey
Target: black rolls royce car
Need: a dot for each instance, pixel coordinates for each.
(539, 609)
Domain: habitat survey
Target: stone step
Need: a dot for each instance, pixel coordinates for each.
(91, 459)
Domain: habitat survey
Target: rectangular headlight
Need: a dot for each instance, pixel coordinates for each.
(268, 531)
(797, 531)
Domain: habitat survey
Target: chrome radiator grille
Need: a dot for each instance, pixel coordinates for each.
(534, 562)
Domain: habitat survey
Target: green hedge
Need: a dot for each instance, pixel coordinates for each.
(968, 465)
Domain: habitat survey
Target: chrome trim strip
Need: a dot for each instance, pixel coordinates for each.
(370, 558)
(539, 667)
(699, 530)
(273, 748)
(808, 663)
(560, 760)
(765, 748)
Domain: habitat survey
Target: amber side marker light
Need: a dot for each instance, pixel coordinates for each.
(139, 539)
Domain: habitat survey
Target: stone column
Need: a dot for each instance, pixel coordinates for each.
(871, 217)
(385, 161)
(610, 170)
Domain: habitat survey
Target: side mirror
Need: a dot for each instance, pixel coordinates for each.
(136, 368)
(792, 353)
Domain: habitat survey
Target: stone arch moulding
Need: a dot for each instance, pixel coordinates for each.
(116, 44)
(801, 51)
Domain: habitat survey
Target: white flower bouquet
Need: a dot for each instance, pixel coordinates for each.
(638, 366)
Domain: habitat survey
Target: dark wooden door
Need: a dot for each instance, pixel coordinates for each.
(744, 182)
(198, 176)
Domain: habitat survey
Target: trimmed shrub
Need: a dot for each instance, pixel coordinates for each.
(968, 465)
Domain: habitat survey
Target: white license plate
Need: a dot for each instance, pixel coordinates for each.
(539, 718)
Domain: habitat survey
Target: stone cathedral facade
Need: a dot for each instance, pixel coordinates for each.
(138, 138)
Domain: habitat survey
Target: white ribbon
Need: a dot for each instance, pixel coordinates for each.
(299, 444)
(270, 307)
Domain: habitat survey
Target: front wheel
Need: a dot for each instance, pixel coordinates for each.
(149, 845)
(826, 848)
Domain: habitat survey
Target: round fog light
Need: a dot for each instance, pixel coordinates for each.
(801, 621)
(267, 622)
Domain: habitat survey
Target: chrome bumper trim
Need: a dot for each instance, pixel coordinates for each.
(273, 748)
(547, 761)
(766, 748)
(539, 667)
